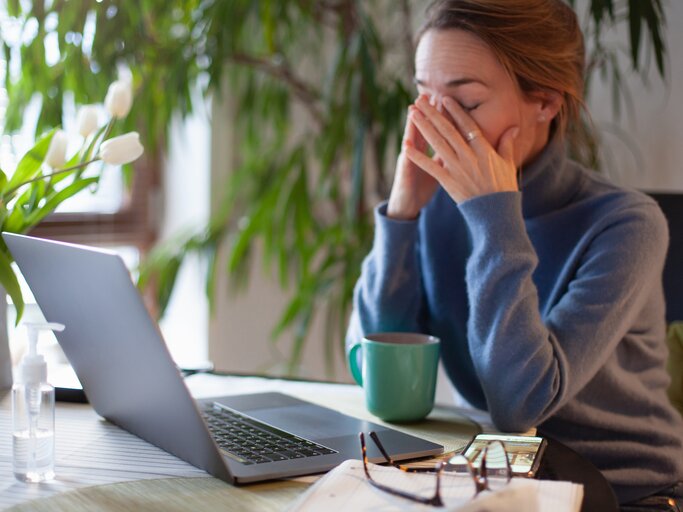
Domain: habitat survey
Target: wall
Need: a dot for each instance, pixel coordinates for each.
(239, 332)
(646, 150)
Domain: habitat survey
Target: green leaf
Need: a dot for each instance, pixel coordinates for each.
(294, 308)
(54, 201)
(29, 166)
(167, 279)
(356, 196)
(653, 17)
(9, 281)
(15, 221)
(211, 276)
(634, 17)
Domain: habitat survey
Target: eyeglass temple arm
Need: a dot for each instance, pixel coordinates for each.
(377, 442)
(434, 501)
(364, 455)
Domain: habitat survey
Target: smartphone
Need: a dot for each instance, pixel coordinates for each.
(524, 452)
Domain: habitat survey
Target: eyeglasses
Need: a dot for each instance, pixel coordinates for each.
(488, 470)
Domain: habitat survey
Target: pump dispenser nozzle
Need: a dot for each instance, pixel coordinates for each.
(33, 369)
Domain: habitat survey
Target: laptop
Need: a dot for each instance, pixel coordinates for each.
(127, 372)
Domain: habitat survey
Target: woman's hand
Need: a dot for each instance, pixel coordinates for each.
(467, 165)
(412, 188)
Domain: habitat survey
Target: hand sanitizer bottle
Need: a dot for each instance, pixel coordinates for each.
(33, 411)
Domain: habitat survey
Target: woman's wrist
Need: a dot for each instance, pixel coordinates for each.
(401, 210)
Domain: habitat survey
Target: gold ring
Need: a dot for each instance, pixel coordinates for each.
(471, 135)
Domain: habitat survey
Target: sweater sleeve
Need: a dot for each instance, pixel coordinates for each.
(389, 294)
(530, 367)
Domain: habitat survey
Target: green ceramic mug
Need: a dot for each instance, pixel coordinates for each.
(398, 373)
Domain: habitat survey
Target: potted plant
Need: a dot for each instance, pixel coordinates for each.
(44, 178)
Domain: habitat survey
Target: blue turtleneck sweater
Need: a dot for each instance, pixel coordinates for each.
(550, 310)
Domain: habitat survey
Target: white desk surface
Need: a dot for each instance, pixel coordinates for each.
(92, 452)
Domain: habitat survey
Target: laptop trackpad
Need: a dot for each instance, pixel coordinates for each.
(308, 421)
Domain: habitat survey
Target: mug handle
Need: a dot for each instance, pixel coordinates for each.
(353, 364)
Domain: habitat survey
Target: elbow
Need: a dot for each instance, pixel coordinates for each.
(512, 418)
(519, 408)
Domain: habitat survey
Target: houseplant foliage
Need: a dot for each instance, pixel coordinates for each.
(44, 178)
(320, 88)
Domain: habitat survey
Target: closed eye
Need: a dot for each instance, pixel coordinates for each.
(467, 108)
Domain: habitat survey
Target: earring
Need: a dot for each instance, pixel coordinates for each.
(542, 118)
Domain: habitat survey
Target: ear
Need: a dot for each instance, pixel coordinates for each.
(548, 104)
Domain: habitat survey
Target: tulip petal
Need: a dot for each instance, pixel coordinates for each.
(56, 152)
(122, 149)
(119, 98)
(87, 120)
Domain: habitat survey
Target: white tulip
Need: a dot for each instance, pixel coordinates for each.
(122, 149)
(119, 98)
(56, 152)
(87, 120)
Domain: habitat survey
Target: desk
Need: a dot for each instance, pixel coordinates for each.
(149, 488)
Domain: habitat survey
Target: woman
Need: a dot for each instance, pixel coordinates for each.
(542, 279)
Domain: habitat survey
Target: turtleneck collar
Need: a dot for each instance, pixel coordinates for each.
(548, 183)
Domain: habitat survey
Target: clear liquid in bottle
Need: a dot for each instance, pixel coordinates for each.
(34, 457)
(33, 435)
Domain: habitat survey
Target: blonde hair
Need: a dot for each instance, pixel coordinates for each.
(538, 42)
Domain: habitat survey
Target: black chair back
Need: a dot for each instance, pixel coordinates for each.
(672, 206)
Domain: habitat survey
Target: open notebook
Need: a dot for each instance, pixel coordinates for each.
(345, 488)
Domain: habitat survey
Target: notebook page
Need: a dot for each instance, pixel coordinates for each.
(345, 488)
(557, 496)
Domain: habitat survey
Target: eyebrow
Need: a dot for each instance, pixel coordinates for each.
(453, 83)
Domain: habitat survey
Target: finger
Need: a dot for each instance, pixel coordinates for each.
(413, 136)
(506, 145)
(447, 130)
(433, 137)
(457, 188)
(466, 125)
(427, 164)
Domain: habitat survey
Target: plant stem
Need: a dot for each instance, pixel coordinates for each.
(304, 92)
(44, 176)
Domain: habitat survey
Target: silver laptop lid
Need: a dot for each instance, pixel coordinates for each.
(90, 291)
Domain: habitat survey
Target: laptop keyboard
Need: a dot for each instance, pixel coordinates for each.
(252, 442)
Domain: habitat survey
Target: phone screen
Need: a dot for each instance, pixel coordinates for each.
(522, 451)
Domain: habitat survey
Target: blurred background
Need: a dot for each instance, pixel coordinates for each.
(271, 130)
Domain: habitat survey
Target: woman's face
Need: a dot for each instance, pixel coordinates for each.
(458, 64)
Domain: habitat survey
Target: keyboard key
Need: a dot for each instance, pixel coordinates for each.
(253, 442)
(274, 456)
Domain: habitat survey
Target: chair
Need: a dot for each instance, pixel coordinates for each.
(671, 204)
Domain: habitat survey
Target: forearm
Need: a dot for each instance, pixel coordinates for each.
(512, 350)
(530, 364)
(388, 295)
